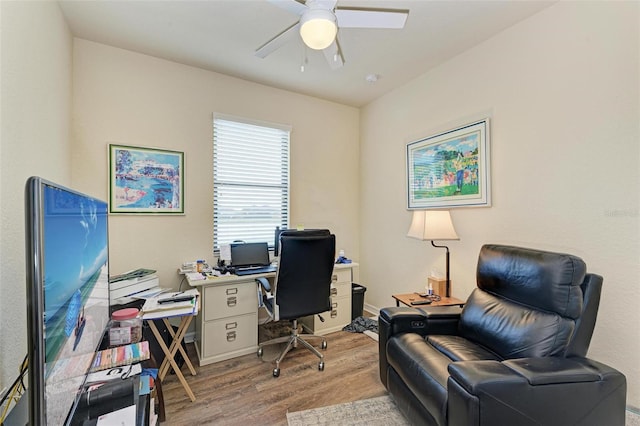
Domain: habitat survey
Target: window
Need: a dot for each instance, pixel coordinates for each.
(250, 180)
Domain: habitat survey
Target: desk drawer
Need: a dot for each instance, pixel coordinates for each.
(334, 320)
(341, 276)
(230, 334)
(340, 289)
(230, 300)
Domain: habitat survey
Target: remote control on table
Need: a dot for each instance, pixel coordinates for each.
(421, 302)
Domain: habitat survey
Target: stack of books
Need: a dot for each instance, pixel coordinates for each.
(132, 285)
(120, 355)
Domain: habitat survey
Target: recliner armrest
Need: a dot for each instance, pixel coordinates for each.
(429, 320)
(433, 320)
(549, 370)
(549, 391)
(402, 319)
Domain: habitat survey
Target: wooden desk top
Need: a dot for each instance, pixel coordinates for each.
(406, 299)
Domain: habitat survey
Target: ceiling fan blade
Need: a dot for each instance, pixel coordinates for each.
(293, 6)
(371, 18)
(333, 55)
(278, 41)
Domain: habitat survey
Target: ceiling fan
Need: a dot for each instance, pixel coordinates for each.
(319, 22)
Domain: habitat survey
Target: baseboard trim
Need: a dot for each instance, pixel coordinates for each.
(371, 309)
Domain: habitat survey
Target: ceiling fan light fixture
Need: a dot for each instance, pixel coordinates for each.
(318, 28)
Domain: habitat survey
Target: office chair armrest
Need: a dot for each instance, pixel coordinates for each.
(264, 293)
(264, 283)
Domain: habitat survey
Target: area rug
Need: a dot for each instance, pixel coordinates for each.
(380, 411)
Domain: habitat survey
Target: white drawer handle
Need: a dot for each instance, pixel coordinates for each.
(231, 336)
(232, 291)
(334, 291)
(231, 325)
(334, 278)
(232, 301)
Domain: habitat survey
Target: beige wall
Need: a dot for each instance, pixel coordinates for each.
(562, 91)
(34, 140)
(127, 98)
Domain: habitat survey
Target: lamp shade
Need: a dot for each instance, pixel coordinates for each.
(318, 28)
(432, 225)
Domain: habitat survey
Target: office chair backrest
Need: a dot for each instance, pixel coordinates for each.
(527, 304)
(303, 280)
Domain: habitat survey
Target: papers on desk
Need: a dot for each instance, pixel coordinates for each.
(169, 305)
(148, 294)
(195, 276)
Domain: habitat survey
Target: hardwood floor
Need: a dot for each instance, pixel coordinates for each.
(242, 391)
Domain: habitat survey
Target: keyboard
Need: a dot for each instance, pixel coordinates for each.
(256, 270)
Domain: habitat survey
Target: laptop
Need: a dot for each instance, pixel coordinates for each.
(251, 258)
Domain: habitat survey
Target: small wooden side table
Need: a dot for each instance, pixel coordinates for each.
(406, 299)
(177, 336)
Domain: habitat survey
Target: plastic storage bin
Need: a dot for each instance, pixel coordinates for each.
(126, 328)
(357, 300)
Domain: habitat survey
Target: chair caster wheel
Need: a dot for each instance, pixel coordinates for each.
(321, 366)
(323, 345)
(276, 372)
(260, 352)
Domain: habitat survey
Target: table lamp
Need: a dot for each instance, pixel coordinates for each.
(434, 225)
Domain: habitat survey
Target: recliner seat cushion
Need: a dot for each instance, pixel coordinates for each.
(458, 348)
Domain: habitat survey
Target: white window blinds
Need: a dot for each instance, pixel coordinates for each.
(250, 180)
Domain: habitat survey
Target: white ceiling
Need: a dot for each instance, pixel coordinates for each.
(222, 36)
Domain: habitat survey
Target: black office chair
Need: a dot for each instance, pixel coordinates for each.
(301, 288)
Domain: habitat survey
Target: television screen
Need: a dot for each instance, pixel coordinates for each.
(67, 295)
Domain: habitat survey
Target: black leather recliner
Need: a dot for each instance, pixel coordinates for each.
(514, 355)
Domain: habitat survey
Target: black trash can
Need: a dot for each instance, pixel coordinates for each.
(357, 300)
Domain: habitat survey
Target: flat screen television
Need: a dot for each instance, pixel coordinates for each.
(67, 271)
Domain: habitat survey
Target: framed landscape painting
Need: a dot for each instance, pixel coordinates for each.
(450, 169)
(145, 180)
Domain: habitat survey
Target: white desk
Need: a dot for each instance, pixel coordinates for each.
(227, 323)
